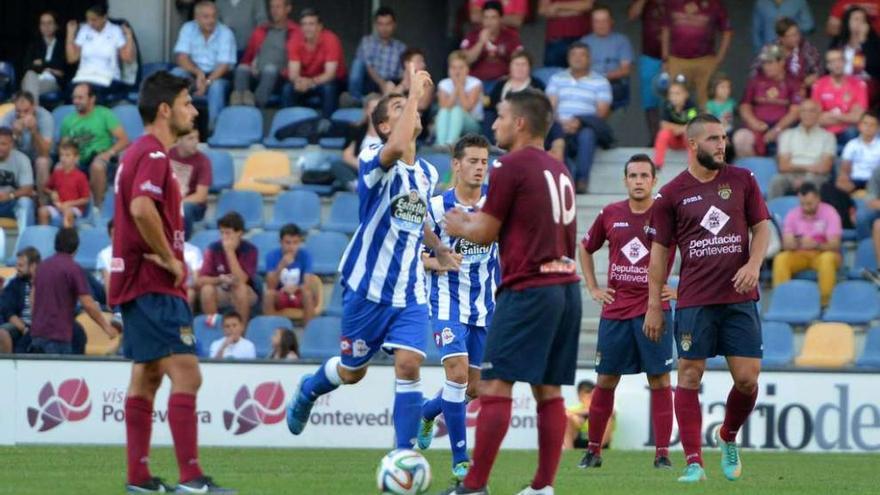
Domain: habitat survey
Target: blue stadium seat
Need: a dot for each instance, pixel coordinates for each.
(260, 331)
(8, 82)
(237, 127)
(265, 241)
(130, 119)
(544, 74)
(870, 357)
(284, 117)
(778, 344)
(151, 68)
(763, 168)
(442, 162)
(346, 116)
(334, 307)
(41, 237)
(91, 242)
(205, 335)
(321, 338)
(716, 363)
(343, 214)
(204, 238)
(855, 302)
(58, 115)
(249, 204)
(105, 214)
(326, 249)
(779, 207)
(795, 302)
(298, 206)
(319, 189)
(865, 259)
(222, 170)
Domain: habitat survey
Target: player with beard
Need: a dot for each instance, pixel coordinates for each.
(709, 210)
(147, 275)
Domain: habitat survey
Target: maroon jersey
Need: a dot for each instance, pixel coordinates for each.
(693, 25)
(710, 222)
(771, 99)
(653, 19)
(629, 251)
(145, 171)
(532, 195)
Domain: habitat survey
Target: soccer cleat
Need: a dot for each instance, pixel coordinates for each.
(426, 433)
(203, 484)
(662, 463)
(154, 485)
(460, 470)
(299, 409)
(590, 460)
(528, 490)
(459, 489)
(693, 473)
(731, 464)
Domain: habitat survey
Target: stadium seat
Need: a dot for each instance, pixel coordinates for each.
(344, 116)
(97, 342)
(870, 357)
(762, 167)
(8, 82)
(795, 302)
(205, 334)
(260, 330)
(321, 338)
(222, 170)
(203, 238)
(779, 207)
(334, 307)
(443, 163)
(265, 241)
(343, 214)
(319, 189)
(326, 249)
(544, 74)
(263, 165)
(58, 115)
(716, 363)
(828, 345)
(130, 119)
(853, 301)
(285, 117)
(864, 259)
(6, 108)
(41, 237)
(778, 344)
(91, 242)
(249, 204)
(299, 206)
(237, 127)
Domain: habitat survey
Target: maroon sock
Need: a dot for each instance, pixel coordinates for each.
(601, 407)
(492, 424)
(739, 406)
(690, 423)
(551, 435)
(138, 428)
(661, 419)
(184, 431)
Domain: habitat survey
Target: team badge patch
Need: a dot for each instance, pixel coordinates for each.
(686, 341)
(724, 191)
(187, 336)
(447, 336)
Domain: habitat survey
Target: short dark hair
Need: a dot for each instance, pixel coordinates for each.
(696, 124)
(578, 45)
(289, 342)
(783, 24)
(640, 158)
(25, 95)
(31, 253)
(807, 188)
(232, 314)
(232, 220)
(6, 131)
(90, 90)
(534, 107)
(309, 12)
(585, 386)
(291, 229)
(99, 9)
(870, 113)
(66, 240)
(521, 53)
(68, 144)
(380, 114)
(494, 5)
(409, 53)
(161, 87)
(469, 141)
(385, 11)
(110, 226)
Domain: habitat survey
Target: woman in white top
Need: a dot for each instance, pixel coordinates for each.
(461, 101)
(98, 45)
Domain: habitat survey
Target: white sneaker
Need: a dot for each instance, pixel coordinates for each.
(547, 490)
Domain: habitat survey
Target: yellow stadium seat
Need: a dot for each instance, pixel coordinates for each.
(317, 288)
(97, 342)
(263, 165)
(8, 223)
(828, 345)
(6, 108)
(7, 272)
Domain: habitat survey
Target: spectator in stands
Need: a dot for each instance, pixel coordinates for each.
(488, 48)
(720, 103)
(688, 41)
(842, 98)
(99, 136)
(515, 12)
(98, 46)
(611, 53)
(518, 78)
(265, 58)
(768, 107)
(67, 188)
(805, 154)
(766, 16)
(653, 16)
(290, 279)
(577, 426)
(377, 64)
(102, 263)
(205, 53)
(44, 59)
(317, 64)
(460, 97)
(567, 22)
(32, 127)
(802, 60)
(860, 156)
(581, 101)
(59, 284)
(16, 182)
(285, 345)
(868, 223)
(16, 303)
(678, 110)
(226, 279)
(413, 60)
(811, 237)
(360, 137)
(860, 45)
(835, 18)
(233, 345)
(193, 171)
(242, 17)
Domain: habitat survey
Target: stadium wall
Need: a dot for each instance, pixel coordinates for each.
(243, 404)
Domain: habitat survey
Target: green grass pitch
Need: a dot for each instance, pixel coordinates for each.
(101, 470)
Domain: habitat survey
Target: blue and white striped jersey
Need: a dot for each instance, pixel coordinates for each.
(468, 295)
(382, 263)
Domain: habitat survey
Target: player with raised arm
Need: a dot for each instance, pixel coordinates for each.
(623, 348)
(147, 275)
(709, 211)
(384, 304)
(530, 210)
(461, 302)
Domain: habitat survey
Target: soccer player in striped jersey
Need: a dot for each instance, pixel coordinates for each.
(385, 300)
(461, 302)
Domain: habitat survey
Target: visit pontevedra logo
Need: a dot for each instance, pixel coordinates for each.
(265, 406)
(71, 402)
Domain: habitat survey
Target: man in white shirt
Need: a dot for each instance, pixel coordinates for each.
(233, 345)
(805, 153)
(860, 156)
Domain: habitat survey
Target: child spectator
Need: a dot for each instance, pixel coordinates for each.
(720, 103)
(677, 111)
(284, 345)
(68, 188)
(461, 101)
(233, 345)
(290, 279)
(860, 156)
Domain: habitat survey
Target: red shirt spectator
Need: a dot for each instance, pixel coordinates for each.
(872, 7)
(215, 263)
(58, 285)
(842, 98)
(70, 185)
(259, 36)
(313, 56)
(770, 98)
(494, 59)
(191, 171)
(692, 27)
(563, 22)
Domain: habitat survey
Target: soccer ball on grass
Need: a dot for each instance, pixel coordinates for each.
(403, 472)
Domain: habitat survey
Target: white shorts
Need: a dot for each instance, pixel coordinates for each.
(56, 214)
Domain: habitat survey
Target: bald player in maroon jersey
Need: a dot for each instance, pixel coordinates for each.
(709, 211)
(530, 209)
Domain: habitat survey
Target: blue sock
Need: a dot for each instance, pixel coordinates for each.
(454, 412)
(407, 412)
(431, 409)
(325, 380)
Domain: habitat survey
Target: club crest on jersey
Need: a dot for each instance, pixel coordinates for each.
(634, 250)
(714, 220)
(359, 348)
(471, 252)
(724, 191)
(408, 211)
(686, 341)
(447, 336)
(187, 336)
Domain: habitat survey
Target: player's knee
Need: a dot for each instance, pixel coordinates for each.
(456, 369)
(658, 381)
(689, 375)
(607, 381)
(406, 367)
(350, 377)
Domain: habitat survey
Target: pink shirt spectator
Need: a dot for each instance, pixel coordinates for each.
(771, 99)
(840, 98)
(693, 26)
(821, 227)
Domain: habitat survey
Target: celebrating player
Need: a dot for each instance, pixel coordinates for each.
(709, 210)
(385, 301)
(535, 329)
(462, 302)
(623, 348)
(147, 277)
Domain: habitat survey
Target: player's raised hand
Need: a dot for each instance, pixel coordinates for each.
(175, 267)
(653, 326)
(420, 82)
(746, 279)
(602, 296)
